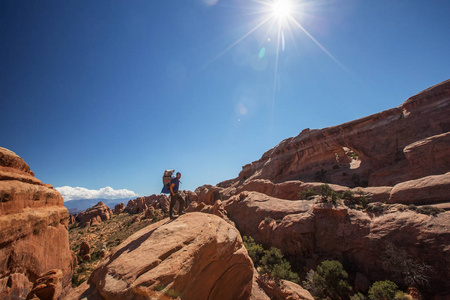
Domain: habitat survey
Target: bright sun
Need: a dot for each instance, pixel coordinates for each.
(282, 9)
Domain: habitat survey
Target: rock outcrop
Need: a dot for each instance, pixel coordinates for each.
(119, 208)
(197, 256)
(95, 215)
(141, 204)
(396, 145)
(48, 286)
(33, 221)
(312, 231)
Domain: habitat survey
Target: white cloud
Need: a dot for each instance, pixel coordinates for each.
(77, 193)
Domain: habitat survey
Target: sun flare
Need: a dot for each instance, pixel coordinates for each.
(282, 9)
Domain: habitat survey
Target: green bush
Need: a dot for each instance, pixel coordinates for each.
(328, 281)
(412, 207)
(307, 194)
(383, 290)
(270, 262)
(268, 219)
(327, 194)
(346, 195)
(274, 264)
(358, 296)
(429, 210)
(255, 251)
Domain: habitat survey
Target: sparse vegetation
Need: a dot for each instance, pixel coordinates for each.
(308, 194)
(110, 233)
(268, 220)
(328, 195)
(429, 210)
(376, 208)
(270, 262)
(329, 281)
(383, 290)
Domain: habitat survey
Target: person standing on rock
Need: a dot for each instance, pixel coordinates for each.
(175, 196)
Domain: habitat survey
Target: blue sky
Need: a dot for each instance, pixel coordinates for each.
(99, 94)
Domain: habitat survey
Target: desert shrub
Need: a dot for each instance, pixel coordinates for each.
(274, 264)
(376, 208)
(328, 281)
(358, 296)
(327, 194)
(307, 194)
(268, 219)
(346, 195)
(412, 207)
(255, 251)
(383, 290)
(405, 268)
(270, 262)
(363, 201)
(429, 210)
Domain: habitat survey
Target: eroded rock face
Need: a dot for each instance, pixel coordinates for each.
(141, 204)
(426, 190)
(208, 194)
(95, 215)
(33, 220)
(48, 286)
(119, 208)
(383, 149)
(196, 256)
(312, 231)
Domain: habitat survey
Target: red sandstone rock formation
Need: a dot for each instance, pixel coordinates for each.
(216, 209)
(312, 231)
(400, 144)
(95, 215)
(283, 289)
(33, 221)
(48, 286)
(208, 194)
(141, 204)
(119, 208)
(197, 256)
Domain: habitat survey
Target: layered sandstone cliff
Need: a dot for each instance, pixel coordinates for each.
(396, 145)
(33, 236)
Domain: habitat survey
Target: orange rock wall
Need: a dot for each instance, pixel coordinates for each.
(33, 222)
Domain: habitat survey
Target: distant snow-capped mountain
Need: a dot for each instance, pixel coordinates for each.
(77, 206)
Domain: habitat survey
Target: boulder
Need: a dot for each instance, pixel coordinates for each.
(119, 208)
(283, 289)
(95, 215)
(34, 229)
(136, 206)
(427, 190)
(150, 212)
(248, 209)
(48, 286)
(196, 256)
(84, 248)
(430, 156)
(209, 194)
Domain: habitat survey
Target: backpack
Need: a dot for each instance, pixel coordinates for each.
(167, 177)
